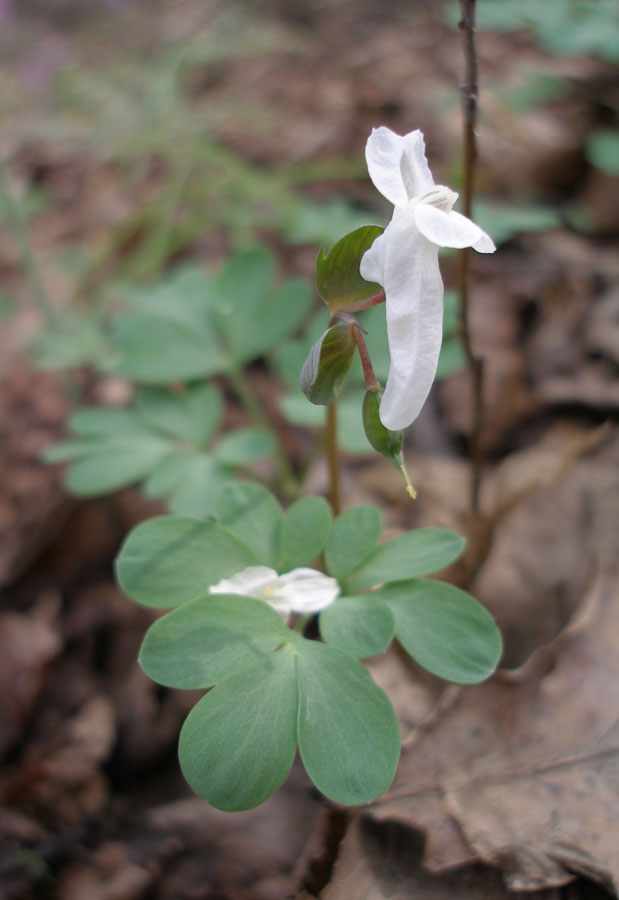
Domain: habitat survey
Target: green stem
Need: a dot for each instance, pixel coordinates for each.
(333, 458)
(298, 622)
(288, 481)
(17, 223)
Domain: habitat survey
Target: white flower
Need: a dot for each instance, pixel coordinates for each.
(404, 260)
(299, 591)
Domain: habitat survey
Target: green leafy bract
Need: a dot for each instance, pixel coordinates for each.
(328, 363)
(338, 279)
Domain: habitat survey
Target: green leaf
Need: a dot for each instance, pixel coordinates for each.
(108, 422)
(238, 743)
(445, 629)
(67, 451)
(114, 464)
(351, 436)
(157, 349)
(169, 560)
(243, 446)
(210, 639)
(192, 415)
(363, 626)
(316, 223)
(338, 279)
(503, 222)
(353, 536)
(409, 555)
(327, 365)
(348, 732)
(304, 532)
(254, 516)
(251, 314)
(195, 493)
(452, 358)
(603, 150)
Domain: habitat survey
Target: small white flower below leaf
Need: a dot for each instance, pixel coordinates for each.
(404, 260)
(299, 591)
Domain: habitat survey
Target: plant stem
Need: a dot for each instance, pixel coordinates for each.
(476, 365)
(369, 378)
(288, 481)
(367, 303)
(333, 458)
(19, 228)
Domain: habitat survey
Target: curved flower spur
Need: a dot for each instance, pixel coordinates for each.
(404, 260)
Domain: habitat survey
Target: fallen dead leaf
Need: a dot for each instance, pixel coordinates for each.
(384, 862)
(526, 771)
(28, 642)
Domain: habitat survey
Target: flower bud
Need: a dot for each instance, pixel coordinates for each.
(389, 443)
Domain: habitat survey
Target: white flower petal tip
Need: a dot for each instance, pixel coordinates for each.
(404, 260)
(300, 591)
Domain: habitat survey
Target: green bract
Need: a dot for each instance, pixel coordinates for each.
(271, 689)
(327, 365)
(166, 440)
(338, 279)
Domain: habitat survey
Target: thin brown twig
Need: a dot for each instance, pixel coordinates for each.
(476, 364)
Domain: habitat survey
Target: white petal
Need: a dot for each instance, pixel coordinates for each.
(414, 165)
(304, 591)
(372, 265)
(485, 244)
(250, 582)
(450, 229)
(383, 153)
(414, 308)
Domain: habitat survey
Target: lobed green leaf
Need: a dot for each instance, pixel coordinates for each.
(210, 639)
(353, 536)
(251, 513)
(445, 629)
(238, 743)
(305, 530)
(363, 626)
(169, 560)
(409, 555)
(348, 733)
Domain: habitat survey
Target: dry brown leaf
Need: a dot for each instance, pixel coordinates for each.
(27, 644)
(527, 771)
(556, 505)
(384, 862)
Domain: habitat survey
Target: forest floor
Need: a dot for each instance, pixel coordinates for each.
(509, 786)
